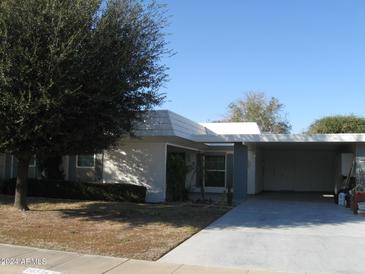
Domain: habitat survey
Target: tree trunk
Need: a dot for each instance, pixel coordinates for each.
(21, 186)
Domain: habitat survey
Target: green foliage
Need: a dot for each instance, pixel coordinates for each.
(177, 170)
(74, 75)
(256, 107)
(338, 124)
(79, 190)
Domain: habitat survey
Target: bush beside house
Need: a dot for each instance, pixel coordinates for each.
(338, 124)
(78, 190)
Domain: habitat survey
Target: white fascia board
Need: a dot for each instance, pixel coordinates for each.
(233, 128)
(281, 138)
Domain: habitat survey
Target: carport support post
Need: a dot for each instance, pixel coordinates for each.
(240, 165)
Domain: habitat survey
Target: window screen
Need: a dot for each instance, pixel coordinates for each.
(215, 170)
(85, 161)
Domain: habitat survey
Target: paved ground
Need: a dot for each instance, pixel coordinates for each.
(17, 259)
(280, 232)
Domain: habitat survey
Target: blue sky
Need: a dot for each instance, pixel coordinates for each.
(310, 54)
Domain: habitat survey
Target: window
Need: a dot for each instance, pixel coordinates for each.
(33, 161)
(87, 161)
(215, 170)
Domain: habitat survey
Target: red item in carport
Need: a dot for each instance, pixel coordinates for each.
(359, 197)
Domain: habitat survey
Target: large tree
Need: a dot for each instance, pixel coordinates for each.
(338, 124)
(74, 75)
(257, 107)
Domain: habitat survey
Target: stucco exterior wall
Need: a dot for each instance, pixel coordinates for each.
(259, 171)
(82, 174)
(338, 176)
(11, 169)
(139, 163)
(251, 172)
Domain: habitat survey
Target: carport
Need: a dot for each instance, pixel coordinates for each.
(302, 163)
(291, 162)
(288, 230)
(301, 167)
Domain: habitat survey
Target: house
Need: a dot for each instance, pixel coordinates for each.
(236, 154)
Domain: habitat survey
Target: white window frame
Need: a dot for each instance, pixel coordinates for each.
(220, 188)
(77, 161)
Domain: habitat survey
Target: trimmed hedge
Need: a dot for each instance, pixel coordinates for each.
(78, 190)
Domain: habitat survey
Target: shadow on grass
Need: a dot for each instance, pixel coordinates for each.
(133, 214)
(268, 210)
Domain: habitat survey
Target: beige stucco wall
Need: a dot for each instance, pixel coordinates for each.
(140, 163)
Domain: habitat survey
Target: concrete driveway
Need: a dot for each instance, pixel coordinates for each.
(280, 232)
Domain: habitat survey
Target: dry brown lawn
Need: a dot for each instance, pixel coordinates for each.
(138, 231)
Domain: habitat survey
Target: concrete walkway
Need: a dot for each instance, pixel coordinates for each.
(280, 232)
(18, 259)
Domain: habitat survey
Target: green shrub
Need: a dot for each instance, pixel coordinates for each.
(176, 177)
(338, 124)
(78, 190)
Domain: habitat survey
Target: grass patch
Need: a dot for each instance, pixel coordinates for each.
(131, 230)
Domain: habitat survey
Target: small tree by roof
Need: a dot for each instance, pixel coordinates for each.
(338, 124)
(74, 75)
(268, 113)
